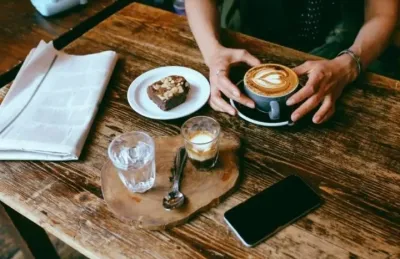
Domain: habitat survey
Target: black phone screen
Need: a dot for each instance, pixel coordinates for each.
(275, 207)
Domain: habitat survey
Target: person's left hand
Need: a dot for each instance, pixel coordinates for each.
(326, 81)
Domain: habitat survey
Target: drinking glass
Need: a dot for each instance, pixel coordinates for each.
(201, 135)
(133, 154)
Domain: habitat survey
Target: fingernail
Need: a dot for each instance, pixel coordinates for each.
(250, 104)
(289, 102)
(316, 119)
(295, 117)
(236, 94)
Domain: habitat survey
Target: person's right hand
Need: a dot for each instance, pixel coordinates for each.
(219, 64)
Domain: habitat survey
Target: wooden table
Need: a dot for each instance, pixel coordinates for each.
(353, 161)
(22, 27)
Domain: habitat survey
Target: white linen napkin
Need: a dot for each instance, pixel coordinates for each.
(50, 107)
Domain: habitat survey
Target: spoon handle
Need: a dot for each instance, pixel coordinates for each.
(179, 166)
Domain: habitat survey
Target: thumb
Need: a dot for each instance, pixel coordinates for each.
(244, 56)
(302, 69)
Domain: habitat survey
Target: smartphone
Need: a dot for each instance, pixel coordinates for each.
(271, 210)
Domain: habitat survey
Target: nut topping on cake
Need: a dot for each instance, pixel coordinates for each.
(169, 92)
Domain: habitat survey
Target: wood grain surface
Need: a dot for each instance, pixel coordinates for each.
(22, 27)
(202, 190)
(353, 161)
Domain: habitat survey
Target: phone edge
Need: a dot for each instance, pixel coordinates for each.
(236, 233)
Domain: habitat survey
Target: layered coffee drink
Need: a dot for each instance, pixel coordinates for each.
(202, 150)
(271, 80)
(201, 135)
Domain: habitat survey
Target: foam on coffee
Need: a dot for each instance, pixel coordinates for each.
(202, 138)
(201, 147)
(271, 80)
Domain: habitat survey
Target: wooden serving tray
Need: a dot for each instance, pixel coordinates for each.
(202, 190)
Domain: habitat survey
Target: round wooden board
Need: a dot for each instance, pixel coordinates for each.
(202, 190)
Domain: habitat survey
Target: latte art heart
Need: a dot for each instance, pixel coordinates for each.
(271, 80)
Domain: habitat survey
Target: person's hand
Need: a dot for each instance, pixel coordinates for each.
(219, 64)
(326, 81)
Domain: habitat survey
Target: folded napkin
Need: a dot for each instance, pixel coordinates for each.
(50, 107)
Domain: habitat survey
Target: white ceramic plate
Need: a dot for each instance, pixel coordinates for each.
(141, 103)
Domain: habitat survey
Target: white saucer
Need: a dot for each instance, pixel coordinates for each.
(141, 103)
(254, 113)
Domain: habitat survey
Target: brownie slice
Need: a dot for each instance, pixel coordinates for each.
(169, 92)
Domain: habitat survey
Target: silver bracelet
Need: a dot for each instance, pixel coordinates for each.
(355, 57)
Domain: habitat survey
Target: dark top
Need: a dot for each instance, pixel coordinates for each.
(301, 24)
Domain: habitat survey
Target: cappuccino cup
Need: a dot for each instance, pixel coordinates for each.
(269, 86)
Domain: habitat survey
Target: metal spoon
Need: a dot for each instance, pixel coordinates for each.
(175, 198)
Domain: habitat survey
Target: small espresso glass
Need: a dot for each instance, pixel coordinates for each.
(133, 155)
(201, 136)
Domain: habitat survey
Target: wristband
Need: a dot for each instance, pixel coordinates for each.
(355, 57)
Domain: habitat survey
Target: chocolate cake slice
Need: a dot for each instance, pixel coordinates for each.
(169, 92)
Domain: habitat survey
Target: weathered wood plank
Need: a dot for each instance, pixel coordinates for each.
(33, 240)
(353, 161)
(22, 27)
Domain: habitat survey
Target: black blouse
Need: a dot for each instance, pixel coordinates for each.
(301, 24)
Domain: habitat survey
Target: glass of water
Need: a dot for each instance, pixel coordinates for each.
(133, 154)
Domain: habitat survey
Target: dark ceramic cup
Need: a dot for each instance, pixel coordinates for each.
(271, 105)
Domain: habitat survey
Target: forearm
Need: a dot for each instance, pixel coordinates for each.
(372, 39)
(204, 22)
(376, 32)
